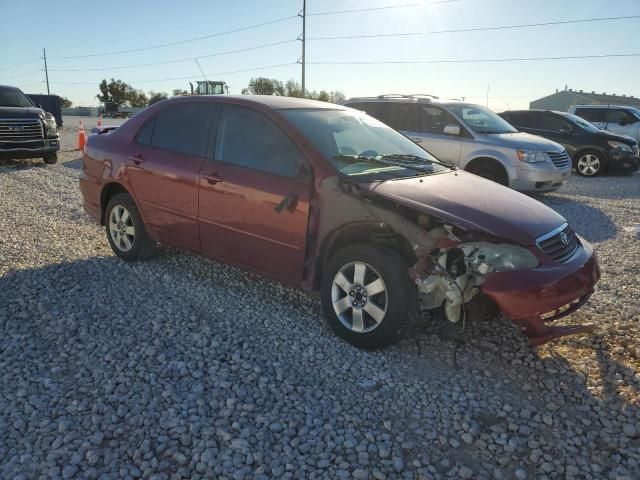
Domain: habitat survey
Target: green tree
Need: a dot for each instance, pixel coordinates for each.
(264, 86)
(293, 89)
(155, 97)
(115, 91)
(65, 102)
(137, 98)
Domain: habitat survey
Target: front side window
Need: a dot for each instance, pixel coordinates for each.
(183, 129)
(582, 123)
(554, 123)
(432, 119)
(482, 120)
(250, 139)
(620, 116)
(360, 146)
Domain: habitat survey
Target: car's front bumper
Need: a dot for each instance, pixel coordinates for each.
(622, 162)
(532, 298)
(543, 177)
(29, 150)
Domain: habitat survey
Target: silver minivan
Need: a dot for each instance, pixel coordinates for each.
(618, 119)
(473, 138)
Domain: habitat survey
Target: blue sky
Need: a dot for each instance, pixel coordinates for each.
(71, 27)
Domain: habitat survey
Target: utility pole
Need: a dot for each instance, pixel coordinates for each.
(303, 14)
(46, 72)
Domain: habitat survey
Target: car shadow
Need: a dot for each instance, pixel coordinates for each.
(25, 164)
(588, 221)
(75, 164)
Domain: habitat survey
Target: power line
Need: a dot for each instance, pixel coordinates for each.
(188, 77)
(177, 60)
(179, 42)
(389, 7)
(477, 29)
(478, 60)
(20, 64)
(22, 74)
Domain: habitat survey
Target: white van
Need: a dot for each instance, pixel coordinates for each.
(615, 118)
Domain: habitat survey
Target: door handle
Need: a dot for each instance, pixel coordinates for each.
(137, 159)
(289, 203)
(212, 177)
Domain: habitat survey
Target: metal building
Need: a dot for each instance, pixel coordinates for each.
(562, 100)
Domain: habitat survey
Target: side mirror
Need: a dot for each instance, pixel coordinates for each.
(452, 130)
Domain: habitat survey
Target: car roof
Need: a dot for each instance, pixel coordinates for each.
(272, 101)
(536, 110)
(400, 98)
(603, 106)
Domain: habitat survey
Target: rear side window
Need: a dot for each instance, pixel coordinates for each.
(183, 128)
(395, 114)
(522, 119)
(250, 139)
(144, 134)
(592, 114)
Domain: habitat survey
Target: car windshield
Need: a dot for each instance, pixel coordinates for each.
(582, 123)
(360, 146)
(12, 97)
(482, 120)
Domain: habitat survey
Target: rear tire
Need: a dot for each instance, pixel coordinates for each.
(590, 163)
(50, 158)
(491, 172)
(125, 229)
(376, 280)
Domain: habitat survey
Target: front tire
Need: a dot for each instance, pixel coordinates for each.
(50, 158)
(492, 172)
(125, 229)
(590, 163)
(367, 295)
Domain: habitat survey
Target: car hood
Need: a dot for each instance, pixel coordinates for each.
(525, 141)
(475, 203)
(615, 137)
(21, 112)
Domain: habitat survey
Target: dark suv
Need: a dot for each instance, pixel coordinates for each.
(26, 131)
(593, 151)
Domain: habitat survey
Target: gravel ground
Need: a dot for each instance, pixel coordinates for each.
(181, 367)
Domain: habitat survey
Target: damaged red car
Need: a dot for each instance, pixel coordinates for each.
(328, 199)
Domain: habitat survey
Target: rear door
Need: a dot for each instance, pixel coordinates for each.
(254, 197)
(527, 122)
(163, 166)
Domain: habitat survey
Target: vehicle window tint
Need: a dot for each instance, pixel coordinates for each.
(184, 129)
(250, 139)
(616, 115)
(144, 134)
(523, 119)
(432, 119)
(592, 114)
(553, 123)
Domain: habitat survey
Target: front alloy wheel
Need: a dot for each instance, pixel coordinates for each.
(588, 164)
(359, 297)
(367, 295)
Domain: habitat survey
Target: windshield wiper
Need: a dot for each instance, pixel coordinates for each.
(413, 164)
(417, 159)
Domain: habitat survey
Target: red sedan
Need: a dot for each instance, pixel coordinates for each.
(328, 199)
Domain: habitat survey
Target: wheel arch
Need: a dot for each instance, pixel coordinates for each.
(108, 192)
(361, 232)
(476, 162)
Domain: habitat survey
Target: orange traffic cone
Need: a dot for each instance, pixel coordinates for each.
(100, 120)
(81, 136)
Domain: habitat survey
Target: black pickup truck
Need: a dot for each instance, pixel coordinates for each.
(26, 131)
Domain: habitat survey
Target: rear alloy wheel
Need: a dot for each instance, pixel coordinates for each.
(589, 164)
(126, 232)
(367, 295)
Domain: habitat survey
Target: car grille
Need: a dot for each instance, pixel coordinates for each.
(560, 244)
(21, 130)
(559, 159)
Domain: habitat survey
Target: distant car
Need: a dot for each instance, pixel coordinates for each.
(26, 131)
(328, 199)
(473, 138)
(615, 118)
(593, 151)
